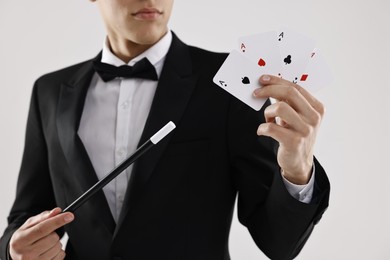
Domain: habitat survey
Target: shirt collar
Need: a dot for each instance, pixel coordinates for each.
(154, 54)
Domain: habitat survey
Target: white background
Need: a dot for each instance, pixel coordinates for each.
(353, 145)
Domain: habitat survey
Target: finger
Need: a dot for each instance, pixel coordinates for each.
(52, 252)
(61, 255)
(279, 133)
(39, 218)
(48, 226)
(46, 243)
(315, 103)
(283, 90)
(301, 99)
(289, 117)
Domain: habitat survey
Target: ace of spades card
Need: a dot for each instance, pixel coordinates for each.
(240, 78)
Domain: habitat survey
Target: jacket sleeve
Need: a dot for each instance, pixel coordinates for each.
(278, 223)
(34, 192)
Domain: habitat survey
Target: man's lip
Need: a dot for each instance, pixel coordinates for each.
(147, 13)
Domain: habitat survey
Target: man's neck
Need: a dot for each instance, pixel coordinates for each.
(125, 49)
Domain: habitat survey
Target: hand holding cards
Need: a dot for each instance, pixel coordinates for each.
(286, 54)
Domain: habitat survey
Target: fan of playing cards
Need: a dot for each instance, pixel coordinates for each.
(284, 53)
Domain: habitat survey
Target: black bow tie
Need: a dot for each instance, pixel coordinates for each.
(142, 69)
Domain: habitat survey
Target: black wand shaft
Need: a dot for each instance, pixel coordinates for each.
(109, 177)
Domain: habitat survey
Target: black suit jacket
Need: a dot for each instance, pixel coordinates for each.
(180, 198)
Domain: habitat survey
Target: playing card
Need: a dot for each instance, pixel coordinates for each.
(295, 50)
(240, 78)
(262, 50)
(317, 73)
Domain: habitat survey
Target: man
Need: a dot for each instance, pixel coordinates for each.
(177, 201)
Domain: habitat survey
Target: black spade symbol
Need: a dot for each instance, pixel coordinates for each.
(245, 80)
(222, 83)
(287, 60)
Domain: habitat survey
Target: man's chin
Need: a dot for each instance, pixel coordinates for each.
(149, 37)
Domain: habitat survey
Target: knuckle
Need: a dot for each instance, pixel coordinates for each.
(56, 249)
(291, 91)
(321, 109)
(266, 128)
(269, 110)
(61, 255)
(306, 131)
(276, 108)
(54, 237)
(31, 220)
(38, 229)
(297, 140)
(59, 246)
(282, 105)
(316, 118)
(43, 215)
(35, 219)
(15, 244)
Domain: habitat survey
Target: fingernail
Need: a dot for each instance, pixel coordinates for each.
(68, 217)
(266, 78)
(256, 92)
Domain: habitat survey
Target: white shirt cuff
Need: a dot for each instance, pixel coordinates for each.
(303, 193)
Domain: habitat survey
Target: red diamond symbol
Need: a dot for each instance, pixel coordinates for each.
(304, 77)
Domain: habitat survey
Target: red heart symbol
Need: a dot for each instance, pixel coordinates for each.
(261, 62)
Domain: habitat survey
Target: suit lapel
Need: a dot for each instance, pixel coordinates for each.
(70, 108)
(172, 95)
(174, 90)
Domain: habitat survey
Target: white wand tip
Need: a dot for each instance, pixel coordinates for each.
(157, 137)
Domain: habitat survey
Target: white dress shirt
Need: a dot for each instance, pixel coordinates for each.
(114, 117)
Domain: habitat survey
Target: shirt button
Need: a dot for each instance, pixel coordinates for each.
(125, 105)
(121, 152)
(121, 198)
